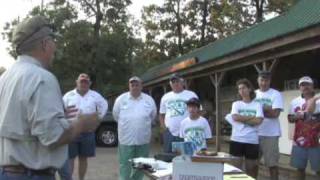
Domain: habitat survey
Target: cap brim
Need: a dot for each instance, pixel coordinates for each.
(194, 104)
(175, 78)
(306, 82)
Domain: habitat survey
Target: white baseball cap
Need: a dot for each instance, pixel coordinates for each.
(135, 78)
(305, 79)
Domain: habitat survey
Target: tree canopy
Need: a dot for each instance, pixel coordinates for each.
(101, 38)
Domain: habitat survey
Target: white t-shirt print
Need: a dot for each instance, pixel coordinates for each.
(272, 98)
(242, 132)
(173, 105)
(196, 131)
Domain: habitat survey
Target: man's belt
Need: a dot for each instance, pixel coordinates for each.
(18, 169)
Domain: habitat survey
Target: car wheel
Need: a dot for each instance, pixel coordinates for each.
(107, 136)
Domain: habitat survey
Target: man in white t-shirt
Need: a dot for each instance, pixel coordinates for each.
(269, 130)
(195, 128)
(173, 110)
(86, 101)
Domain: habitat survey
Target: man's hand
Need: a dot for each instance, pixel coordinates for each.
(83, 123)
(266, 108)
(292, 118)
(88, 122)
(71, 112)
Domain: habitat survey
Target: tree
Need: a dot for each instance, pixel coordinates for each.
(265, 7)
(230, 17)
(90, 45)
(179, 26)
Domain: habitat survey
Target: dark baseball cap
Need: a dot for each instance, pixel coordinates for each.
(265, 74)
(175, 77)
(84, 77)
(31, 29)
(193, 101)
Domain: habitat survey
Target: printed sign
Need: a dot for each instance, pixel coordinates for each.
(187, 170)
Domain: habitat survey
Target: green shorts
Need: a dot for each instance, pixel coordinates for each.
(269, 150)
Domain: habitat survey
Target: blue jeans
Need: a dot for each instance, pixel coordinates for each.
(27, 176)
(65, 171)
(168, 138)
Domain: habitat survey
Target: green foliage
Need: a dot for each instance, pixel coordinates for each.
(201, 22)
(99, 47)
(99, 37)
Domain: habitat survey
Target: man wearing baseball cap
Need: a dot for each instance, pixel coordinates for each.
(173, 109)
(269, 130)
(306, 145)
(34, 131)
(86, 101)
(134, 111)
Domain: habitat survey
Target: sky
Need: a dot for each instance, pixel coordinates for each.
(19, 8)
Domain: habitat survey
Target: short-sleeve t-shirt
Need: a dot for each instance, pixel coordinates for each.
(306, 134)
(196, 131)
(242, 132)
(174, 106)
(272, 98)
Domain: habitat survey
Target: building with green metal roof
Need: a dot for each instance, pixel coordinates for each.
(304, 15)
(287, 45)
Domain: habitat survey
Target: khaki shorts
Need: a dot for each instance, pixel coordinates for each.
(269, 150)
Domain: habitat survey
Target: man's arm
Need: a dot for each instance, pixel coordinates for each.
(271, 113)
(293, 116)
(311, 104)
(116, 109)
(162, 113)
(102, 106)
(161, 119)
(47, 118)
(84, 123)
(154, 110)
(274, 111)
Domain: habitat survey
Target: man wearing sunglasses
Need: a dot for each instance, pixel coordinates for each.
(34, 131)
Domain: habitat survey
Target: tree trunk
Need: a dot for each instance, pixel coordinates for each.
(96, 37)
(204, 22)
(259, 10)
(179, 28)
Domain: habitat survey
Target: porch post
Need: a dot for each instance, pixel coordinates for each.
(216, 81)
(265, 66)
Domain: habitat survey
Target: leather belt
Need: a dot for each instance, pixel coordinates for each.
(23, 170)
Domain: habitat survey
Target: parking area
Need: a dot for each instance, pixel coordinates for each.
(105, 165)
(102, 167)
